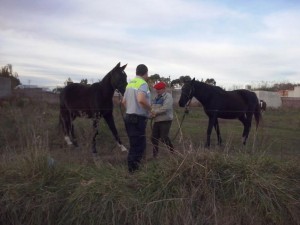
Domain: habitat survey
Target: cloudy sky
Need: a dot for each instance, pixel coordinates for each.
(234, 42)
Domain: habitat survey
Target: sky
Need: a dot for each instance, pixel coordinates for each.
(234, 42)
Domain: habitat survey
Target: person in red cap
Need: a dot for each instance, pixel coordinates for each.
(162, 111)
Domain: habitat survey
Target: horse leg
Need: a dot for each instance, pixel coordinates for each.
(247, 126)
(70, 134)
(211, 123)
(74, 141)
(244, 120)
(95, 128)
(111, 124)
(66, 124)
(216, 126)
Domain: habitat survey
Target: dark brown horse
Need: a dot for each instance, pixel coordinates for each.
(94, 102)
(218, 103)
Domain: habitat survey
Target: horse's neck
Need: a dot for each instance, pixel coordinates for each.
(201, 92)
(106, 87)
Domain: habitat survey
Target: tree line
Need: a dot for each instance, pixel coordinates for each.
(7, 71)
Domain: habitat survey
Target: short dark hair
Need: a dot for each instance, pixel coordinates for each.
(141, 70)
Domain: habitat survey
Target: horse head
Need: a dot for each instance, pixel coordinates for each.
(119, 78)
(187, 92)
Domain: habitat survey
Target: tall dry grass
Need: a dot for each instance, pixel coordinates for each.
(196, 188)
(193, 186)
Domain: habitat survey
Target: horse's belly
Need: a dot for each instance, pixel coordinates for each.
(229, 115)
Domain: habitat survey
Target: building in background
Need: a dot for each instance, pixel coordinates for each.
(294, 93)
(5, 87)
(272, 99)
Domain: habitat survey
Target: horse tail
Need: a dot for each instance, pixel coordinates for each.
(251, 99)
(60, 120)
(257, 114)
(62, 109)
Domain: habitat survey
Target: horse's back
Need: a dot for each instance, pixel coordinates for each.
(249, 97)
(86, 100)
(232, 104)
(75, 97)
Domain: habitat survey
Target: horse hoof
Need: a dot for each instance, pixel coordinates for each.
(75, 144)
(75, 148)
(51, 162)
(122, 147)
(68, 140)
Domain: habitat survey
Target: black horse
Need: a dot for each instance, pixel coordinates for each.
(263, 105)
(218, 103)
(94, 102)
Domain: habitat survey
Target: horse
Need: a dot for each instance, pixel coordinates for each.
(218, 103)
(94, 102)
(263, 105)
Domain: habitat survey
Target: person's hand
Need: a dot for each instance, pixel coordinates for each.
(152, 114)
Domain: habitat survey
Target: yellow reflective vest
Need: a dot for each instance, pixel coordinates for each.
(136, 83)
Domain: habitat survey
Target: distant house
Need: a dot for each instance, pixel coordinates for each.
(5, 87)
(294, 93)
(283, 93)
(24, 86)
(292, 99)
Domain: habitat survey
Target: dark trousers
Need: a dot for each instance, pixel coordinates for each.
(136, 131)
(160, 131)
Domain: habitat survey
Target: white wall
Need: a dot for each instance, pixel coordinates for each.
(295, 93)
(272, 99)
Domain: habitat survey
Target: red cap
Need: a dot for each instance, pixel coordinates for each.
(160, 85)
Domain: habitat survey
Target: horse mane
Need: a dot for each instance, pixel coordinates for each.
(106, 77)
(103, 82)
(211, 87)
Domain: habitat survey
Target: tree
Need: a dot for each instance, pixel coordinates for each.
(68, 81)
(269, 86)
(184, 79)
(211, 81)
(84, 81)
(57, 90)
(167, 80)
(7, 72)
(153, 79)
(175, 83)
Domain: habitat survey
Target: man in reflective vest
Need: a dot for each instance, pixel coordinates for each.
(137, 101)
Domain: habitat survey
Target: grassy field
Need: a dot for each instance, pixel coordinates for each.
(43, 181)
(278, 132)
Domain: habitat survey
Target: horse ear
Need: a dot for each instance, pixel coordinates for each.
(193, 79)
(118, 65)
(123, 67)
